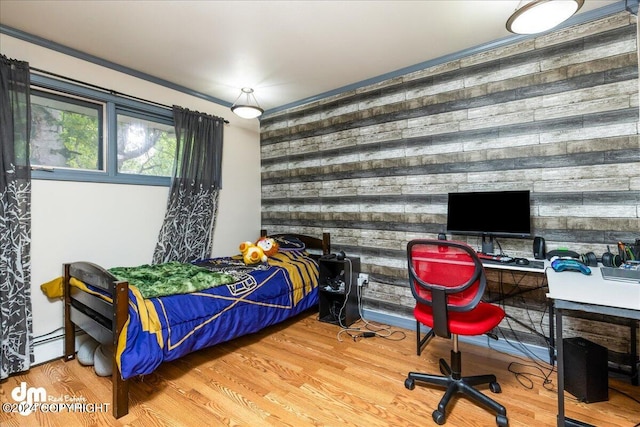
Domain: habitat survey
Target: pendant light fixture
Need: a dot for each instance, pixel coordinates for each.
(537, 16)
(247, 107)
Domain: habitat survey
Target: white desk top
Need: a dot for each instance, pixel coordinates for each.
(592, 289)
(516, 267)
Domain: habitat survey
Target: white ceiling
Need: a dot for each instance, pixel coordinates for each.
(286, 50)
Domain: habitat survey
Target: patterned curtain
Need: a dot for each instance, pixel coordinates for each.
(187, 231)
(16, 343)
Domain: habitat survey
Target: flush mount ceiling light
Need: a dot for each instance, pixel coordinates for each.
(538, 16)
(248, 107)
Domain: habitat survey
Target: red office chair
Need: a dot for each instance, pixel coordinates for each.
(447, 281)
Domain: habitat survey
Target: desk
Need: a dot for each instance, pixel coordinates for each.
(575, 291)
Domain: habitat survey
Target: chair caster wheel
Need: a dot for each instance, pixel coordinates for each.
(410, 383)
(502, 420)
(495, 388)
(438, 417)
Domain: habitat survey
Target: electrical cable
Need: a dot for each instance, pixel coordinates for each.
(625, 394)
(343, 328)
(524, 378)
(518, 291)
(380, 330)
(522, 347)
(347, 292)
(369, 330)
(541, 369)
(537, 361)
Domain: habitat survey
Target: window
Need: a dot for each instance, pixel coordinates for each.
(145, 147)
(82, 134)
(66, 132)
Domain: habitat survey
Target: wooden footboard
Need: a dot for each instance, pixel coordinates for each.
(99, 318)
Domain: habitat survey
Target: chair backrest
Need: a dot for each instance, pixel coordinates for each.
(445, 275)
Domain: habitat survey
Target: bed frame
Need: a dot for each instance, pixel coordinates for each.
(310, 242)
(104, 321)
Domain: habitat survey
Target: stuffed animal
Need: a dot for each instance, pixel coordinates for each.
(269, 246)
(252, 254)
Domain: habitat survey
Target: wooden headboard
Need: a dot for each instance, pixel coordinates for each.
(310, 242)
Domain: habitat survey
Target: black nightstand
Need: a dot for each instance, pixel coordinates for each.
(338, 292)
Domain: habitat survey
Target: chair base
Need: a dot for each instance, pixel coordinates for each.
(455, 383)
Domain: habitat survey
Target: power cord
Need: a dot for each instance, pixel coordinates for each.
(524, 378)
(368, 329)
(625, 394)
(503, 296)
(355, 334)
(380, 330)
(347, 292)
(544, 370)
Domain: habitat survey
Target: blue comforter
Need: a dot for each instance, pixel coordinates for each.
(166, 328)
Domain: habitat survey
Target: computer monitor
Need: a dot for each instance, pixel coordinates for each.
(490, 214)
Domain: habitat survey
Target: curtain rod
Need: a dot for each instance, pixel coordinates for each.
(104, 89)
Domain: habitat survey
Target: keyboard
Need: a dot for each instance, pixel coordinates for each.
(536, 264)
(610, 273)
(503, 259)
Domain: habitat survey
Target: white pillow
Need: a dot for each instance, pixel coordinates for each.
(86, 351)
(103, 361)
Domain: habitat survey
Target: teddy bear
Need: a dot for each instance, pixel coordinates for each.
(260, 251)
(252, 254)
(269, 246)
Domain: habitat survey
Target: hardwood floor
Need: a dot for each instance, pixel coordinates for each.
(299, 374)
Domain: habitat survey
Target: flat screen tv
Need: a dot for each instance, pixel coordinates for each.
(490, 214)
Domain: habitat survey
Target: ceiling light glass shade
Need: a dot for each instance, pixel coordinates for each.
(248, 107)
(538, 16)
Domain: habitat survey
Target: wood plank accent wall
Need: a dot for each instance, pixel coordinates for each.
(556, 115)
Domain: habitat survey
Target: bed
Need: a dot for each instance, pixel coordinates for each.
(144, 332)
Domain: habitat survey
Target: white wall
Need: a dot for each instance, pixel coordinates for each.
(115, 224)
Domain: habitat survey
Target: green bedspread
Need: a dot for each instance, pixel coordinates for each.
(170, 278)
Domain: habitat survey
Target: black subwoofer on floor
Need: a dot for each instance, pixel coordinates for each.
(586, 374)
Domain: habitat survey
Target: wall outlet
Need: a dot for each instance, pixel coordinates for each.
(363, 279)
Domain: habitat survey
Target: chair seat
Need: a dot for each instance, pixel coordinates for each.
(483, 318)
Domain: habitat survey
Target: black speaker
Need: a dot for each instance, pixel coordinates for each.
(539, 248)
(586, 373)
